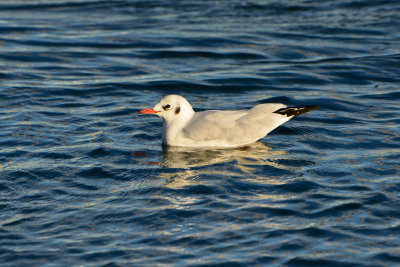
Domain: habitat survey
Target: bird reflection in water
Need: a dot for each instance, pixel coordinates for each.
(194, 164)
(183, 157)
(181, 166)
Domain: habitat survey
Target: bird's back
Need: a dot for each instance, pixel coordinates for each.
(234, 127)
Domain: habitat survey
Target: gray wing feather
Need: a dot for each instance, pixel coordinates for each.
(234, 126)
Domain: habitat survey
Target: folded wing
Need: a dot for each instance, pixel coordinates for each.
(241, 126)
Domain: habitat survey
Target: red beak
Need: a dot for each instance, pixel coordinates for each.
(148, 111)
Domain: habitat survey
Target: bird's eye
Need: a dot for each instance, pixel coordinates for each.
(167, 106)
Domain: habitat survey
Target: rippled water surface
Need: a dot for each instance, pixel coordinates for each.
(85, 181)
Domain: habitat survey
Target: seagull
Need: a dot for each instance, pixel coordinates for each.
(183, 127)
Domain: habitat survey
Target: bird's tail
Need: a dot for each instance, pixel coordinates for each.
(295, 111)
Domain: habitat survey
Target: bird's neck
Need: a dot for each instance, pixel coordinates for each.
(172, 130)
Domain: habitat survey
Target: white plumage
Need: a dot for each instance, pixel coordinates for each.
(218, 128)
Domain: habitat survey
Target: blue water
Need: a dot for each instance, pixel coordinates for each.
(85, 181)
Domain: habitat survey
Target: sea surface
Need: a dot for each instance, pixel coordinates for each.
(85, 180)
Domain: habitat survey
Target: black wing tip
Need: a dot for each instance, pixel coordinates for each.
(295, 111)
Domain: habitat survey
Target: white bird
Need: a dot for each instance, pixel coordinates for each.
(218, 128)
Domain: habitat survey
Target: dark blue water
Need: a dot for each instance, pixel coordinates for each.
(85, 181)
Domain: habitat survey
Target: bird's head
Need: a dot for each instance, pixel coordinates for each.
(171, 108)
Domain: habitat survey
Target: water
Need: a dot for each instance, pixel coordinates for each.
(85, 181)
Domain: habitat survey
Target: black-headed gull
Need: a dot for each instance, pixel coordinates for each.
(218, 128)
